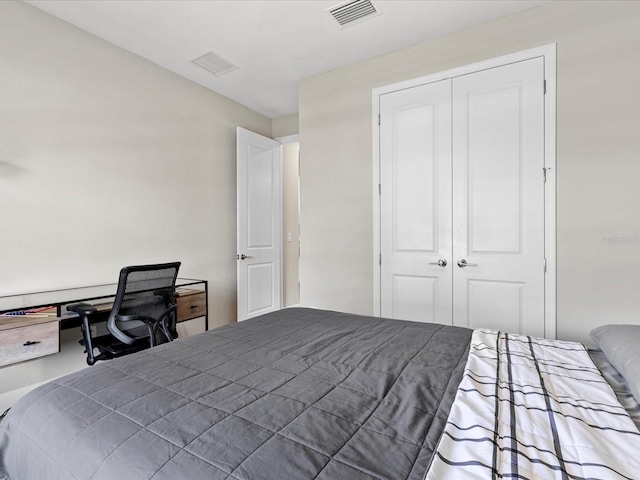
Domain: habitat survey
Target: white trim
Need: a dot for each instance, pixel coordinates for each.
(550, 314)
(288, 139)
(548, 52)
(375, 151)
(544, 51)
(281, 222)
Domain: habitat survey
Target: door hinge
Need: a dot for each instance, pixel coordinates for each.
(545, 265)
(544, 88)
(378, 119)
(379, 189)
(380, 259)
(544, 174)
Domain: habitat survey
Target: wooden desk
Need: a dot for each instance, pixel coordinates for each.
(24, 337)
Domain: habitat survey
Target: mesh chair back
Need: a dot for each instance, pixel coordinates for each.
(145, 293)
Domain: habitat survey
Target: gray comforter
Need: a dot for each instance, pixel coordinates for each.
(295, 394)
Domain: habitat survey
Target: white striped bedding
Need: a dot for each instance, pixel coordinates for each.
(530, 408)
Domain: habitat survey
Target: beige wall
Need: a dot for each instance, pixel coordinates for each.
(107, 159)
(285, 126)
(598, 115)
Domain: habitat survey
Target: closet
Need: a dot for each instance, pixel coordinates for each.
(462, 200)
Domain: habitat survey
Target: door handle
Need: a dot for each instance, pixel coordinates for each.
(463, 263)
(244, 257)
(441, 263)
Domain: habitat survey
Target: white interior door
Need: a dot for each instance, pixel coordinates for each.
(259, 223)
(415, 203)
(498, 198)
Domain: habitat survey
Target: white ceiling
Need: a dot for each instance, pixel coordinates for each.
(275, 43)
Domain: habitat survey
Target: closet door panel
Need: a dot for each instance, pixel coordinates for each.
(498, 198)
(415, 297)
(494, 166)
(415, 203)
(413, 137)
(495, 304)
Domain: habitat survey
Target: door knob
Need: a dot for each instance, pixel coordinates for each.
(244, 257)
(441, 263)
(463, 263)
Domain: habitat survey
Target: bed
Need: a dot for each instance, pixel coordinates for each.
(315, 394)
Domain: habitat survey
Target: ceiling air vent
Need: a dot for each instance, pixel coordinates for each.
(355, 11)
(214, 63)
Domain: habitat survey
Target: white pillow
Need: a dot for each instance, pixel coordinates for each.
(621, 346)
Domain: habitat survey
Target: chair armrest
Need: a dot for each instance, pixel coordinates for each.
(82, 308)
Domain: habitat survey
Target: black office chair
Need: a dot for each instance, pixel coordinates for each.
(143, 313)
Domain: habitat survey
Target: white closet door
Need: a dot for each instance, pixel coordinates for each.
(415, 203)
(498, 198)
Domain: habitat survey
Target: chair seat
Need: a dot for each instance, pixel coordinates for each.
(109, 347)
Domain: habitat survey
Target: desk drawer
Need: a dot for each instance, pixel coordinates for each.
(41, 339)
(191, 304)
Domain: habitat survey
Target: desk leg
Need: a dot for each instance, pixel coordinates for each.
(206, 303)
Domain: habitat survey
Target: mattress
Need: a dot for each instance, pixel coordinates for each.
(295, 394)
(315, 394)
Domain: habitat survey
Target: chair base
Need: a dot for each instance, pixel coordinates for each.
(109, 347)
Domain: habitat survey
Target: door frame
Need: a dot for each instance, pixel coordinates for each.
(548, 53)
(294, 138)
